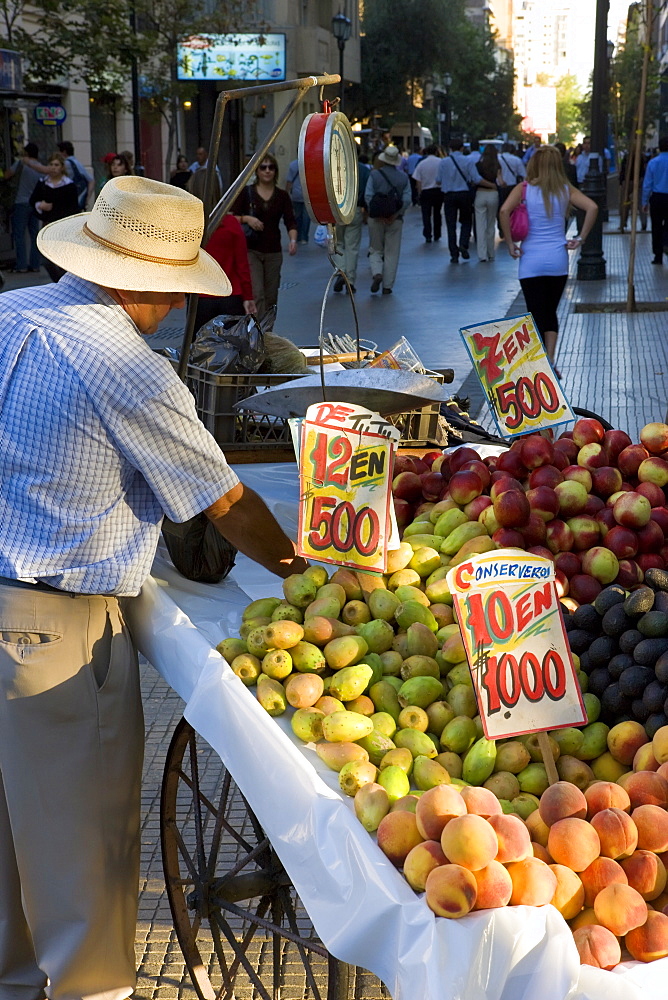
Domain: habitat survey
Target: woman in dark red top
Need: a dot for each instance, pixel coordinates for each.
(262, 206)
(228, 247)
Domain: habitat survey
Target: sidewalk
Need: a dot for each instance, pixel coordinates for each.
(612, 363)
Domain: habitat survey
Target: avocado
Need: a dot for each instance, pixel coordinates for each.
(609, 597)
(661, 601)
(656, 721)
(579, 640)
(633, 681)
(661, 668)
(629, 640)
(647, 652)
(615, 620)
(618, 663)
(599, 680)
(602, 650)
(638, 711)
(586, 666)
(587, 618)
(653, 625)
(654, 696)
(614, 702)
(657, 579)
(639, 602)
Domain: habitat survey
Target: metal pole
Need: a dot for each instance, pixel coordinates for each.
(591, 263)
(342, 46)
(301, 86)
(136, 124)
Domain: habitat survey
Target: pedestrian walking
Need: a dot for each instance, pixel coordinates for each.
(530, 150)
(655, 199)
(543, 255)
(293, 186)
(455, 179)
(25, 173)
(83, 181)
(180, 175)
(349, 238)
(487, 176)
(387, 196)
(411, 163)
(261, 207)
(513, 172)
(55, 197)
(99, 440)
(431, 199)
(228, 248)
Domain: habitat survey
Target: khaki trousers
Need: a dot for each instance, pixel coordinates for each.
(71, 745)
(265, 269)
(384, 247)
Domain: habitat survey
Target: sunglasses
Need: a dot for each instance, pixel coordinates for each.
(267, 166)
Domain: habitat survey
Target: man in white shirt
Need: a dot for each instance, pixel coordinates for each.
(426, 177)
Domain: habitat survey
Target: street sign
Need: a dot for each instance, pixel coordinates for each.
(50, 113)
(345, 477)
(508, 611)
(517, 378)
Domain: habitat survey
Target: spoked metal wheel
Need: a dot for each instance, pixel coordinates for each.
(243, 930)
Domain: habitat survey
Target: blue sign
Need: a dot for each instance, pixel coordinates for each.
(50, 113)
(231, 57)
(10, 70)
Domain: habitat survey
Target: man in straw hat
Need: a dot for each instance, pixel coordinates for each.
(387, 196)
(98, 440)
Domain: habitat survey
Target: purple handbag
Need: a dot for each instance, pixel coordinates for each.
(519, 219)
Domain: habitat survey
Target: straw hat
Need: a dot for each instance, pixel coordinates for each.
(390, 155)
(141, 235)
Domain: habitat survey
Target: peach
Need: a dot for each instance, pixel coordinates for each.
(661, 769)
(569, 895)
(397, 835)
(601, 872)
(534, 882)
(421, 860)
(573, 842)
(626, 738)
(513, 837)
(436, 808)
(617, 833)
(646, 873)
(650, 941)
(495, 886)
(469, 841)
(597, 946)
(541, 852)
(620, 908)
(537, 827)
(645, 788)
(606, 795)
(560, 801)
(480, 801)
(652, 824)
(584, 919)
(451, 891)
(660, 744)
(645, 760)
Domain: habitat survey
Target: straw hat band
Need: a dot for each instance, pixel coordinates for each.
(135, 253)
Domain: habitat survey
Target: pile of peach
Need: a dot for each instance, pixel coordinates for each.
(599, 856)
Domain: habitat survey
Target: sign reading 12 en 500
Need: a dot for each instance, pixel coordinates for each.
(508, 612)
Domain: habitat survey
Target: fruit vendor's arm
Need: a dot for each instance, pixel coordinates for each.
(244, 519)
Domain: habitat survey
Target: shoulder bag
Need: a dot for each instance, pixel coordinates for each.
(519, 219)
(471, 186)
(385, 204)
(518, 177)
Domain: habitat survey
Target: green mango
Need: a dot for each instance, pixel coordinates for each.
(247, 668)
(439, 714)
(395, 782)
(384, 723)
(376, 745)
(372, 803)
(410, 612)
(350, 682)
(460, 674)
(264, 607)
(378, 635)
(524, 804)
(450, 520)
(452, 763)
(391, 661)
(533, 779)
(307, 658)
(277, 663)
(425, 560)
(252, 623)
(464, 533)
(317, 574)
(398, 757)
(424, 541)
(420, 640)
(257, 642)
(568, 740)
(229, 648)
(479, 761)
(410, 593)
(383, 604)
(355, 774)
(299, 590)
(420, 691)
(418, 743)
(374, 661)
(428, 773)
(419, 666)
(271, 695)
(595, 741)
(287, 612)
(346, 727)
(592, 706)
(459, 734)
(462, 700)
(345, 651)
(307, 724)
(439, 591)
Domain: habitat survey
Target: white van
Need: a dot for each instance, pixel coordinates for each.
(401, 136)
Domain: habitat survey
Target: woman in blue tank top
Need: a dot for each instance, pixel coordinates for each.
(543, 255)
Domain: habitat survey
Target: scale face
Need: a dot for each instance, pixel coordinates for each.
(328, 168)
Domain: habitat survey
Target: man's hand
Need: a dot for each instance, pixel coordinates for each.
(242, 517)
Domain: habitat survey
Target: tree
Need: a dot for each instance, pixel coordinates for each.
(570, 119)
(626, 72)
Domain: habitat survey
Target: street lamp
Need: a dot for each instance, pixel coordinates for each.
(341, 29)
(447, 81)
(440, 92)
(591, 263)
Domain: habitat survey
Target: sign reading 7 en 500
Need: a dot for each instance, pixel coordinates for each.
(345, 470)
(521, 387)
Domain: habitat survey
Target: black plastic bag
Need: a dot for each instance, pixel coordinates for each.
(198, 550)
(229, 345)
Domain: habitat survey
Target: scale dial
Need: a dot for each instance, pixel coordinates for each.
(328, 168)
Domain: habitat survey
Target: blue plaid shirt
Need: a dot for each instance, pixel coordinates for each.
(98, 439)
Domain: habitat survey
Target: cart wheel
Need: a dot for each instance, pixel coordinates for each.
(241, 926)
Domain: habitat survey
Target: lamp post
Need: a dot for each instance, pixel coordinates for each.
(440, 92)
(447, 80)
(591, 264)
(341, 29)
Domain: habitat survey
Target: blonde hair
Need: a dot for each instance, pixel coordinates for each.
(546, 171)
(59, 157)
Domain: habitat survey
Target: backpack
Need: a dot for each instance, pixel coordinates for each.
(79, 181)
(385, 204)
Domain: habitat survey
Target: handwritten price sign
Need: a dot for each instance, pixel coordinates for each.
(345, 469)
(508, 610)
(520, 385)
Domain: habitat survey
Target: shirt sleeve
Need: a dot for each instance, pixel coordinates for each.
(242, 204)
(166, 442)
(288, 212)
(647, 182)
(406, 194)
(293, 172)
